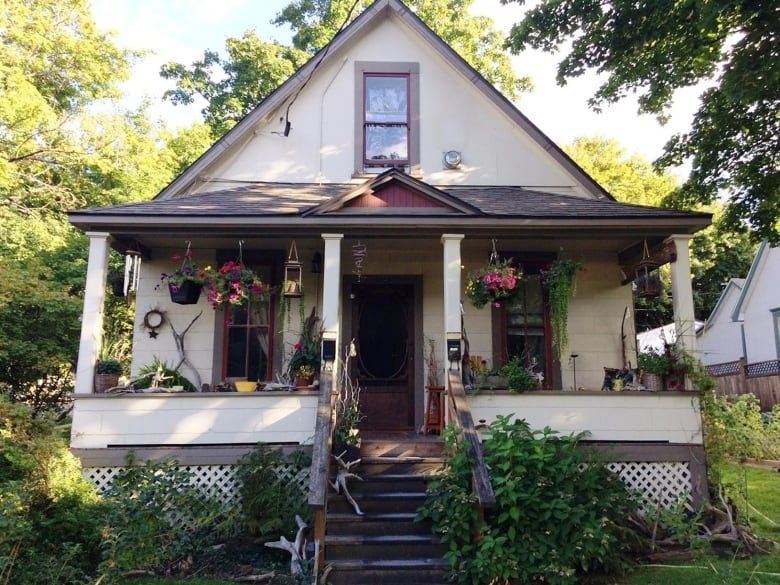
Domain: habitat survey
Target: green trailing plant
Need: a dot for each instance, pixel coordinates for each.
(348, 414)
(269, 500)
(559, 512)
(558, 279)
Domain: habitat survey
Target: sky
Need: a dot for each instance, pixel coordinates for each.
(180, 30)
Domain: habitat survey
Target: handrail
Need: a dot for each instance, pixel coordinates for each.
(318, 475)
(460, 412)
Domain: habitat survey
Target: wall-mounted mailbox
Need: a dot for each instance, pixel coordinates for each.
(328, 350)
(453, 350)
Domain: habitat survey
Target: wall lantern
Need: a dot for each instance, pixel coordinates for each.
(292, 274)
(316, 263)
(647, 279)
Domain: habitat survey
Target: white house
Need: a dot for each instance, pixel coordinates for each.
(745, 322)
(395, 165)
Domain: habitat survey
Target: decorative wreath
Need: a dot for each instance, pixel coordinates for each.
(153, 320)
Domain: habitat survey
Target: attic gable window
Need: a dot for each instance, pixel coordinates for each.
(387, 133)
(385, 120)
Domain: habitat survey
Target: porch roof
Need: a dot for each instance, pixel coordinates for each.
(287, 205)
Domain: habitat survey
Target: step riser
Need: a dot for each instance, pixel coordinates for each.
(337, 552)
(372, 506)
(378, 528)
(372, 486)
(425, 468)
(391, 577)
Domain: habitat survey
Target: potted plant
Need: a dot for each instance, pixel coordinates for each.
(107, 374)
(495, 283)
(304, 376)
(655, 367)
(234, 284)
(558, 280)
(185, 283)
(305, 360)
(518, 378)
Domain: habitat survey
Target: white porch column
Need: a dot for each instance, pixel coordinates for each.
(452, 278)
(682, 294)
(92, 316)
(331, 290)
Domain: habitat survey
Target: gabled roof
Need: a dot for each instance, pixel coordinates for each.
(749, 281)
(422, 196)
(733, 288)
(369, 18)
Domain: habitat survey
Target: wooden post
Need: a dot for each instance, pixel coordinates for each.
(743, 389)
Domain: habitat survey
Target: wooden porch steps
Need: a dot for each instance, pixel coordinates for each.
(386, 546)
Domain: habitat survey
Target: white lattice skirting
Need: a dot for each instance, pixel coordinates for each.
(662, 482)
(218, 481)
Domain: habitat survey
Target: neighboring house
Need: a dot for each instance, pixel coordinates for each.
(745, 322)
(657, 339)
(394, 162)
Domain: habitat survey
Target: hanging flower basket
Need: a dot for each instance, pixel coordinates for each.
(185, 283)
(234, 284)
(495, 283)
(187, 293)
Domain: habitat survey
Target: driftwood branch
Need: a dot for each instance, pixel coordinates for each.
(183, 359)
(343, 474)
(296, 549)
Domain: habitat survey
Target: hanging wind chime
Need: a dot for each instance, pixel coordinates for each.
(132, 270)
(359, 254)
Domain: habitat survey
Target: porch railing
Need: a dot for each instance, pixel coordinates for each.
(318, 483)
(460, 414)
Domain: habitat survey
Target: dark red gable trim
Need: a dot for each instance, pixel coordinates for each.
(393, 196)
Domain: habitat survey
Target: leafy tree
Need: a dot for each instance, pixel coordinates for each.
(718, 253)
(254, 68)
(653, 48)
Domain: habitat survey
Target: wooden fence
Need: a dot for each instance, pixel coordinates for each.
(760, 378)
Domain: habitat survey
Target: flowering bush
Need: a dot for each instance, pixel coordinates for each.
(188, 270)
(493, 283)
(234, 284)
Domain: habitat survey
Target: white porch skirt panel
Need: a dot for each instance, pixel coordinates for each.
(211, 469)
(663, 473)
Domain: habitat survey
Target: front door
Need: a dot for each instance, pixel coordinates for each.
(383, 330)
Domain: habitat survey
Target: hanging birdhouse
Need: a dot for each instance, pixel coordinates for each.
(292, 274)
(647, 279)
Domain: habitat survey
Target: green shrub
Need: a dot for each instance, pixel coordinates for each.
(269, 502)
(558, 512)
(156, 518)
(735, 429)
(173, 377)
(50, 517)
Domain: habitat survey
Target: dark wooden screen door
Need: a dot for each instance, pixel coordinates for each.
(382, 327)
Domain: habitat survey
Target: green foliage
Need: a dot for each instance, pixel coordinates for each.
(50, 517)
(519, 379)
(269, 500)
(735, 134)
(558, 279)
(558, 512)
(156, 518)
(108, 366)
(734, 429)
(172, 377)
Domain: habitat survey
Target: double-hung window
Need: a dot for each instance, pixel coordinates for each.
(248, 335)
(387, 117)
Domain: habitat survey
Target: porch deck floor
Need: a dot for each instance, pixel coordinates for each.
(400, 436)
